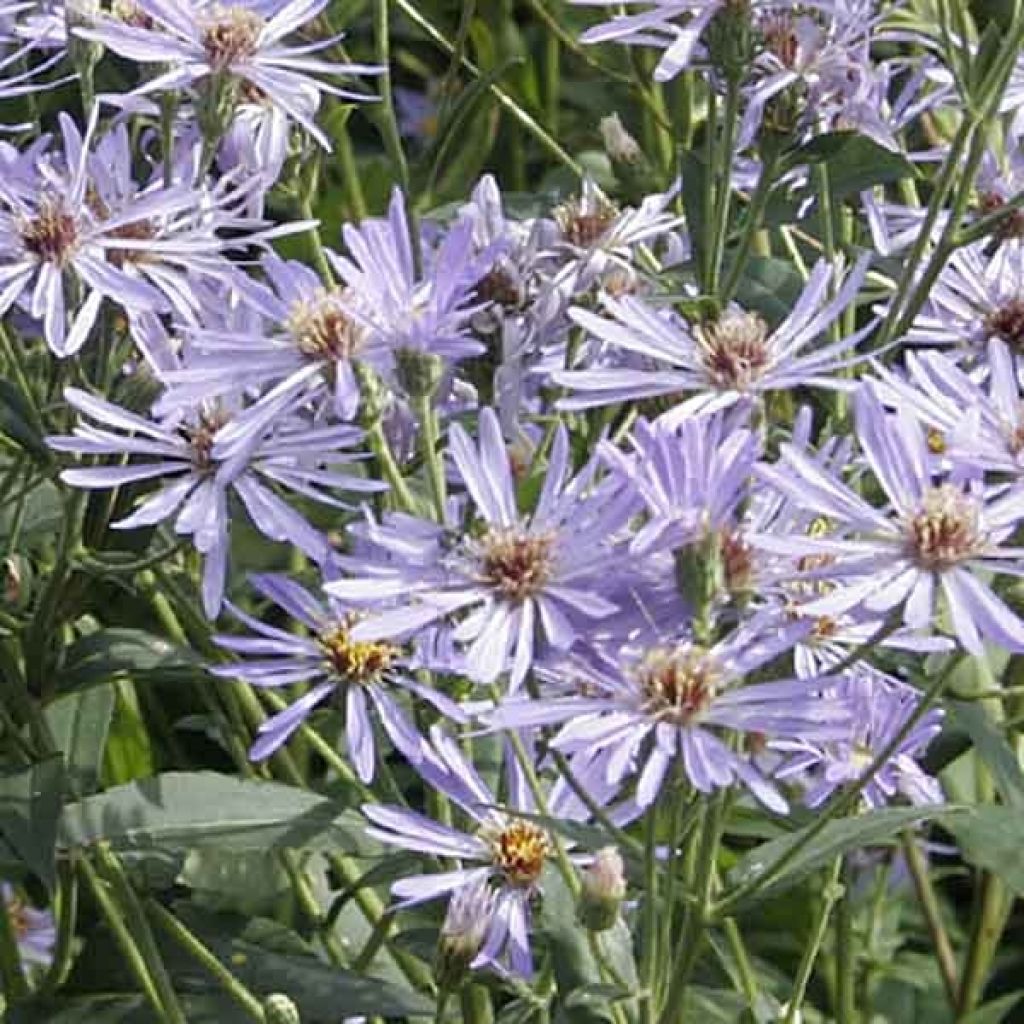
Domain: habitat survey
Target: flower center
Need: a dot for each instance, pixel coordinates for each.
(516, 564)
(52, 235)
(130, 13)
(734, 349)
(780, 39)
(322, 330)
(355, 662)
(584, 223)
(519, 850)
(944, 530)
(201, 436)
(1011, 226)
(679, 683)
(737, 560)
(1007, 322)
(499, 286)
(231, 34)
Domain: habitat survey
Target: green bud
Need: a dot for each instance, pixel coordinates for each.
(215, 106)
(279, 1009)
(604, 888)
(700, 577)
(372, 395)
(462, 934)
(730, 39)
(419, 373)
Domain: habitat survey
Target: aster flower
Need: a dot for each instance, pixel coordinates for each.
(881, 707)
(734, 356)
(640, 711)
(503, 850)
(240, 42)
(199, 460)
(34, 930)
(516, 575)
(361, 677)
(424, 311)
(933, 537)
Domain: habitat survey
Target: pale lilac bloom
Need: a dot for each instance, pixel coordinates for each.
(405, 309)
(934, 535)
(35, 932)
(640, 710)
(735, 356)
(503, 850)
(244, 40)
(972, 423)
(881, 707)
(362, 678)
(198, 463)
(518, 580)
(689, 477)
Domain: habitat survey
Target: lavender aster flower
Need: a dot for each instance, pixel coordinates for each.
(505, 850)
(34, 930)
(641, 711)
(363, 677)
(881, 707)
(934, 537)
(200, 460)
(239, 42)
(516, 576)
(736, 355)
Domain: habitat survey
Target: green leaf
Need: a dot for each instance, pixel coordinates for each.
(769, 287)
(872, 828)
(992, 837)
(80, 723)
(16, 421)
(191, 810)
(994, 1011)
(320, 990)
(30, 803)
(98, 657)
(993, 749)
(124, 1009)
(854, 161)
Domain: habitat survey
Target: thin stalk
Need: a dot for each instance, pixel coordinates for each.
(66, 915)
(426, 415)
(135, 918)
(316, 246)
(846, 963)
(176, 931)
(748, 979)
(755, 214)
(986, 931)
(929, 901)
(723, 197)
(350, 173)
(649, 966)
(832, 892)
(378, 444)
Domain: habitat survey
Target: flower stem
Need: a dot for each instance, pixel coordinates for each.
(832, 893)
(649, 966)
(723, 194)
(426, 415)
(986, 932)
(175, 930)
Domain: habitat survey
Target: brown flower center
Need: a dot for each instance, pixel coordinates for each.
(679, 683)
(519, 850)
(202, 435)
(52, 235)
(944, 531)
(516, 564)
(499, 286)
(780, 39)
(1011, 226)
(322, 329)
(353, 661)
(229, 35)
(1007, 322)
(734, 349)
(737, 560)
(584, 223)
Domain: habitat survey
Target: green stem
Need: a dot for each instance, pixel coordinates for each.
(176, 931)
(723, 195)
(697, 916)
(67, 915)
(350, 173)
(751, 225)
(378, 444)
(748, 979)
(846, 964)
(426, 415)
(135, 918)
(476, 1005)
(115, 922)
(986, 932)
(929, 901)
(649, 965)
(832, 892)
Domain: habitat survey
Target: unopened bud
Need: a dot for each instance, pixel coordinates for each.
(279, 1009)
(462, 934)
(604, 889)
(84, 53)
(621, 147)
(419, 373)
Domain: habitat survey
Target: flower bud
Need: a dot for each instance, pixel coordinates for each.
(279, 1009)
(419, 373)
(604, 888)
(730, 39)
(621, 147)
(462, 934)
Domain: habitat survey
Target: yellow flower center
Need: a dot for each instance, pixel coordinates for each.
(53, 234)
(519, 850)
(353, 661)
